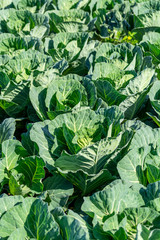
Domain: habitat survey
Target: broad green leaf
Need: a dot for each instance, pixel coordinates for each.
(154, 96)
(137, 86)
(33, 172)
(137, 216)
(124, 57)
(143, 157)
(155, 235)
(132, 167)
(37, 97)
(48, 144)
(122, 76)
(4, 80)
(111, 200)
(7, 202)
(58, 190)
(107, 71)
(108, 94)
(66, 5)
(19, 234)
(147, 20)
(7, 129)
(155, 118)
(113, 226)
(68, 93)
(145, 136)
(94, 103)
(14, 186)
(73, 227)
(12, 150)
(136, 92)
(153, 174)
(151, 43)
(14, 98)
(151, 194)
(143, 7)
(32, 216)
(142, 232)
(5, 3)
(88, 183)
(27, 143)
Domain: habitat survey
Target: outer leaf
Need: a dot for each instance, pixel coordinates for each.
(154, 97)
(14, 98)
(8, 202)
(7, 129)
(47, 143)
(12, 150)
(108, 93)
(27, 143)
(33, 172)
(14, 187)
(143, 158)
(132, 167)
(112, 199)
(73, 225)
(19, 234)
(37, 97)
(5, 3)
(74, 228)
(58, 190)
(142, 232)
(147, 20)
(153, 174)
(137, 92)
(31, 215)
(137, 216)
(155, 235)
